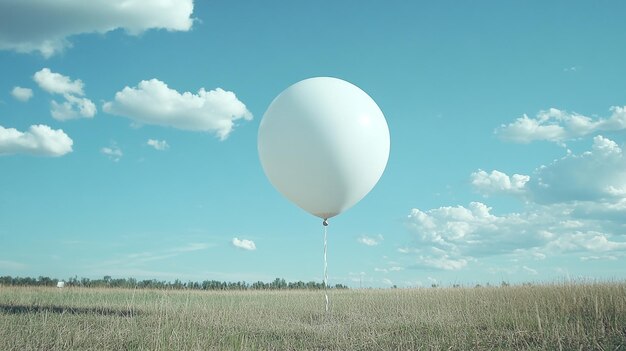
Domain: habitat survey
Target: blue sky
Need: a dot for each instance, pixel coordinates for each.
(128, 140)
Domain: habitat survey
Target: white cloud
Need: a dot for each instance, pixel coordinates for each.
(370, 241)
(114, 153)
(598, 258)
(589, 242)
(56, 83)
(596, 175)
(452, 237)
(45, 26)
(498, 182)
(153, 102)
(444, 262)
(574, 206)
(22, 94)
(244, 244)
(192, 247)
(75, 106)
(158, 144)
(390, 269)
(558, 126)
(72, 108)
(39, 140)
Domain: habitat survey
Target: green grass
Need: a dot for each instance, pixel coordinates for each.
(549, 317)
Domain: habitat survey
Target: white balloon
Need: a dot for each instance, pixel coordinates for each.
(323, 143)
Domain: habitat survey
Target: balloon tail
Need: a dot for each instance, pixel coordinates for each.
(325, 264)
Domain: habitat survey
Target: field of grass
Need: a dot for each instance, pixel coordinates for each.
(549, 317)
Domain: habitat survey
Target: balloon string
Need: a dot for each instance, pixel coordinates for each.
(325, 265)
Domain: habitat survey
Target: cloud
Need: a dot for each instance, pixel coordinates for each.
(192, 247)
(158, 144)
(558, 126)
(370, 241)
(599, 258)
(390, 269)
(244, 244)
(75, 106)
(131, 261)
(153, 102)
(571, 69)
(114, 153)
(22, 94)
(498, 182)
(40, 140)
(444, 262)
(449, 237)
(45, 26)
(595, 175)
(72, 108)
(55, 83)
(589, 242)
(574, 206)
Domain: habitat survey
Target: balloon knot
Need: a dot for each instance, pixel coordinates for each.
(325, 223)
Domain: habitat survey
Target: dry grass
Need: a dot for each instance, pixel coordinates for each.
(550, 317)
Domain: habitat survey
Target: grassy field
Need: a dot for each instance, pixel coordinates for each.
(549, 317)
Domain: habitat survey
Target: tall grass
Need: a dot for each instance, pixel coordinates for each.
(547, 317)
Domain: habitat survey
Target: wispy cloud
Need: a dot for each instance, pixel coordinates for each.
(192, 247)
(370, 240)
(113, 152)
(138, 260)
(387, 270)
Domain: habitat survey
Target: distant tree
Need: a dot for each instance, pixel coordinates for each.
(132, 283)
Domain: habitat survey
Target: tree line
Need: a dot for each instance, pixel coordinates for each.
(132, 283)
